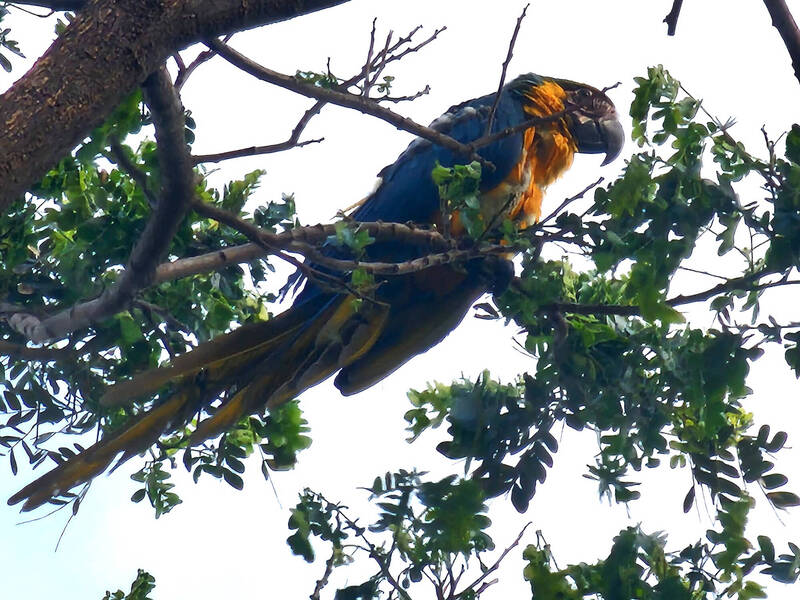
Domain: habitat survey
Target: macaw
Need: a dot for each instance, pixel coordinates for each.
(265, 364)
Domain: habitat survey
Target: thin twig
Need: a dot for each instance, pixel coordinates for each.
(185, 70)
(568, 201)
(506, 62)
(390, 57)
(486, 140)
(53, 5)
(633, 310)
(253, 151)
(323, 581)
(368, 63)
(170, 320)
(672, 18)
(120, 156)
(409, 98)
(356, 102)
(376, 556)
(496, 564)
(378, 67)
(292, 142)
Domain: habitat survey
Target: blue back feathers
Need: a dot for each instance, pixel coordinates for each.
(407, 192)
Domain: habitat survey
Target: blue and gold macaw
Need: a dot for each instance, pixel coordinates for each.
(325, 332)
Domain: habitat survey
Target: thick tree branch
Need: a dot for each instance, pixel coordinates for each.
(177, 193)
(318, 234)
(108, 50)
(207, 263)
(273, 244)
(784, 22)
(56, 5)
(37, 354)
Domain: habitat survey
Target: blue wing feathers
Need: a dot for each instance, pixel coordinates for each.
(407, 192)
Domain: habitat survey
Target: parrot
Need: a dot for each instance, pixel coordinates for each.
(326, 331)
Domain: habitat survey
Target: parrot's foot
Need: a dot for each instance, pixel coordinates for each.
(497, 272)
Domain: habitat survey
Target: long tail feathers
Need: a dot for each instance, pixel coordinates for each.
(135, 438)
(266, 364)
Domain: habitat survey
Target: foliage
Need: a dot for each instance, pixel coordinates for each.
(7, 43)
(613, 354)
(140, 588)
(609, 349)
(458, 189)
(430, 528)
(70, 244)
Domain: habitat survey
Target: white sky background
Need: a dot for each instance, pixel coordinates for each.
(223, 543)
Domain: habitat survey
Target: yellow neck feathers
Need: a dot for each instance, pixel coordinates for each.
(548, 148)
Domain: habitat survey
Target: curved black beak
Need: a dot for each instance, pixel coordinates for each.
(598, 136)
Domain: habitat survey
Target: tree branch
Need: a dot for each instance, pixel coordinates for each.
(292, 142)
(206, 263)
(576, 308)
(323, 581)
(122, 159)
(672, 18)
(56, 5)
(184, 71)
(177, 193)
(37, 354)
(496, 564)
(784, 22)
(105, 52)
(356, 102)
(506, 62)
(739, 283)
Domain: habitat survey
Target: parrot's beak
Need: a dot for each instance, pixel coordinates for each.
(598, 136)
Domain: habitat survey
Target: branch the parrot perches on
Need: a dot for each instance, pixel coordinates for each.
(263, 365)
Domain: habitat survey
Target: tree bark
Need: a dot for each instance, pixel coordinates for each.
(108, 50)
(784, 22)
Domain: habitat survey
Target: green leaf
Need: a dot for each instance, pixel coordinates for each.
(783, 499)
(793, 144)
(129, 329)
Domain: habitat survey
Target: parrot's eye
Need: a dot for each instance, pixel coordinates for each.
(583, 98)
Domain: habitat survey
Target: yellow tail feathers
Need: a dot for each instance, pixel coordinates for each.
(265, 364)
(135, 438)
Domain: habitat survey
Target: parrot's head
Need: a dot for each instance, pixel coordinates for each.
(590, 118)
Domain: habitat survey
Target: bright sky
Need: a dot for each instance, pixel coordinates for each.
(223, 543)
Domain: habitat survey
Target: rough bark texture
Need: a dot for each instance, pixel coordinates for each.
(109, 49)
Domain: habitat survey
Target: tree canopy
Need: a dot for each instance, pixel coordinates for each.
(641, 302)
